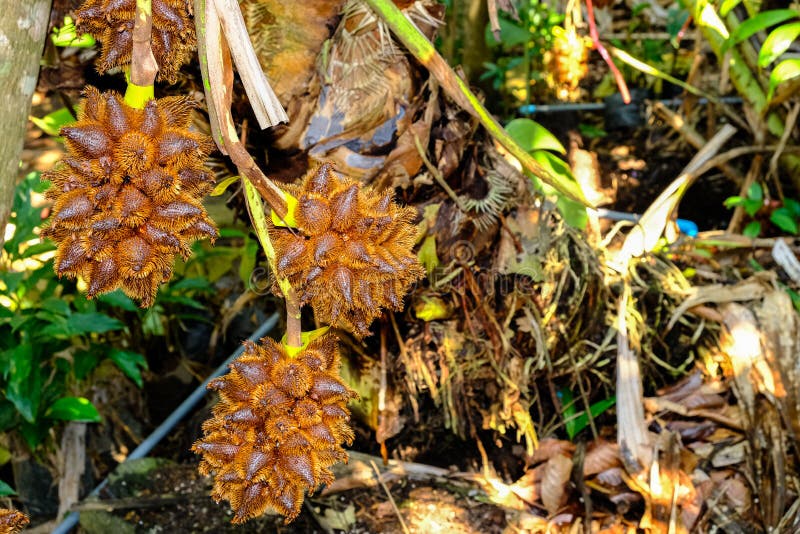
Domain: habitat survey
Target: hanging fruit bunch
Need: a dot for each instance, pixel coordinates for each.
(127, 198)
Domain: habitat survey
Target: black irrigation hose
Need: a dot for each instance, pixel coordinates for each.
(180, 412)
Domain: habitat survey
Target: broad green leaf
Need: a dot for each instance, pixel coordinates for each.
(83, 362)
(574, 213)
(197, 283)
(777, 42)
(73, 409)
(51, 123)
(85, 323)
(793, 206)
(38, 248)
(783, 71)
(35, 433)
(223, 185)
(151, 322)
(57, 306)
(533, 136)
(6, 490)
(753, 25)
(511, 34)
(118, 299)
(752, 230)
(9, 416)
(727, 6)
(755, 192)
(130, 363)
(24, 381)
(783, 219)
(752, 206)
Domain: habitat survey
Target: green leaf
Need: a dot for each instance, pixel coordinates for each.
(533, 136)
(35, 433)
(752, 230)
(793, 206)
(24, 381)
(574, 213)
(6, 490)
(777, 42)
(51, 123)
(427, 255)
(732, 202)
(197, 283)
(83, 362)
(130, 363)
(783, 219)
(84, 323)
(727, 6)
(151, 322)
(118, 299)
(783, 71)
(511, 34)
(223, 185)
(38, 248)
(57, 306)
(73, 409)
(753, 25)
(755, 192)
(751, 206)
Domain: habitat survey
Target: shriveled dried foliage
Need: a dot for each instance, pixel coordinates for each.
(126, 197)
(278, 427)
(111, 22)
(352, 254)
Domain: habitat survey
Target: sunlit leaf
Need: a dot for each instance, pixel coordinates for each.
(533, 136)
(223, 186)
(51, 123)
(753, 25)
(783, 71)
(727, 5)
(73, 409)
(777, 42)
(427, 254)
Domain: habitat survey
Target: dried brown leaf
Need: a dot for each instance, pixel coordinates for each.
(556, 475)
(602, 456)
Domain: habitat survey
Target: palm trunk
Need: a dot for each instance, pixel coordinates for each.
(23, 27)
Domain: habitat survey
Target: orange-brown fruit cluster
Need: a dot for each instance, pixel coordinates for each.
(12, 521)
(277, 428)
(352, 254)
(127, 194)
(111, 23)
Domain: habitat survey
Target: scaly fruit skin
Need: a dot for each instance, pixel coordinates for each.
(277, 428)
(351, 253)
(12, 521)
(111, 22)
(127, 196)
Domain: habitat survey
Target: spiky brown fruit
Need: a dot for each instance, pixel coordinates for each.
(352, 254)
(111, 23)
(277, 429)
(126, 197)
(12, 521)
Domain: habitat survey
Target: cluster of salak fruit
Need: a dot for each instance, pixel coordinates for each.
(127, 199)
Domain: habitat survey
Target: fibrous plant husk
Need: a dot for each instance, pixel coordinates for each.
(111, 22)
(278, 427)
(127, 196)
(350, 256)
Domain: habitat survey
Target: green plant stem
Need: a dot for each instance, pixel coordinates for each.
(422, 49)
(258, 218)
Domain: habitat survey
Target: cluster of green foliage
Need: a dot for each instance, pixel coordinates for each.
(785, 216)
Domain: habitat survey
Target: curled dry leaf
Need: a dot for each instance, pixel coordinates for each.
(602, 456)
(555, 478)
